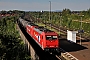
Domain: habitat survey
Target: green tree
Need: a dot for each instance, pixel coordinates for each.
(11, 46)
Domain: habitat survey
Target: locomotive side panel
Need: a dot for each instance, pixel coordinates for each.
(28, 29)
(37, 37)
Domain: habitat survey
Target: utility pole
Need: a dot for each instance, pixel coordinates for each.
(81, 31)
(45, 20)
(50, 14)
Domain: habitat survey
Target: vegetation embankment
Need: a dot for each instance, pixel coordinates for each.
(67, 19)
(11, 45)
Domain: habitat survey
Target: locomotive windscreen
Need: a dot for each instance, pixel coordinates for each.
(51, 37)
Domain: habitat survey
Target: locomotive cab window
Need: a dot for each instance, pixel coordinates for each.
(51, 37)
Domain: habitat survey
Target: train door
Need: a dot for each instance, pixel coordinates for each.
(39, 38)
(42, 41)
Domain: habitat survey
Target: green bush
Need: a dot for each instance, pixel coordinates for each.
(11, 47)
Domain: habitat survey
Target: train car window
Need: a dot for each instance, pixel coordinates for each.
(51, 37)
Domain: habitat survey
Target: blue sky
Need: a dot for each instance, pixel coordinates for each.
(37, 5)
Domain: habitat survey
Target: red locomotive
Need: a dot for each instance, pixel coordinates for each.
(45, 38)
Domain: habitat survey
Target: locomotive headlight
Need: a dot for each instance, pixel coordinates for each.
(56, 46)
(46, 46)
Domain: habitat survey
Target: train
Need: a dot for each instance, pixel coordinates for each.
(45, 38)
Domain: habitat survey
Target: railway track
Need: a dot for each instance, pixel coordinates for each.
(63, 31)
(65, 55)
